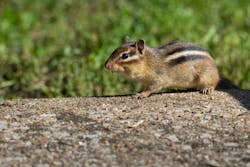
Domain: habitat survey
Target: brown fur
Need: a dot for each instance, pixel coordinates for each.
(166, 66)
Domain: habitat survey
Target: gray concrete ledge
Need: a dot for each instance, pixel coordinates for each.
(170, 129)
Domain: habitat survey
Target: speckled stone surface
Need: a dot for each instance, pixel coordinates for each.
(169, 129)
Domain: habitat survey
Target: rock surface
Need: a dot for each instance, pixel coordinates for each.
(170, 129)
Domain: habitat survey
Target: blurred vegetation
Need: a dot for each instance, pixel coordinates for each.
(58, 48)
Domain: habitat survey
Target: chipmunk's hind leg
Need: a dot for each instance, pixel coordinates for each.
(207, 81)
(207, 90)
(207, 84)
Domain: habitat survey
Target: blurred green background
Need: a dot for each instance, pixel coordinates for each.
(57, 48)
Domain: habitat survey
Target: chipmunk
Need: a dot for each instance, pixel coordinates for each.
(176, 64)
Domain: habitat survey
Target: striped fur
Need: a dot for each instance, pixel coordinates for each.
(169, 44)
(180, 52)
(182, 49)
(133, 59)
(183, 59)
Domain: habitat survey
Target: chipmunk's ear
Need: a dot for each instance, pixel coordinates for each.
(127, 39)
(140, 45)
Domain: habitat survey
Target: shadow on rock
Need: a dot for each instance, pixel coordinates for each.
(243, 96)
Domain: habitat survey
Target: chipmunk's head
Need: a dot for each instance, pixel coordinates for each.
(125, 58)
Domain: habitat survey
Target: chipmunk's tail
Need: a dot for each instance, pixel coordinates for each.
(225, 83)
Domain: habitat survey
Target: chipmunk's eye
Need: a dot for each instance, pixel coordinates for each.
(125, 55)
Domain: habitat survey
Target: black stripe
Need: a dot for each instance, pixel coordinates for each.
(130, 61)
(187, 48)
(132, 53)
(184, 59)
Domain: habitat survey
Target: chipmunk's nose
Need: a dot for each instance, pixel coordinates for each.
(108, 65)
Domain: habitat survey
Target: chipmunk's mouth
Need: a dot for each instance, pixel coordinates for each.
(114, 68)
(117, 71)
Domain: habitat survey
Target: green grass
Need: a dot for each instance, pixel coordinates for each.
(58, 48)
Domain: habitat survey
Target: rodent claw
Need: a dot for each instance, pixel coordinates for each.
(207, 91)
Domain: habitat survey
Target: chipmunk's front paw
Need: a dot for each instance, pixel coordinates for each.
(142, 95)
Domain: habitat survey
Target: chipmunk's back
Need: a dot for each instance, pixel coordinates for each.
(180, 48)
(188, 65)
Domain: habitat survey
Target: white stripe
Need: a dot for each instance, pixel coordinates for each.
(134, 57)
(185, 53)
